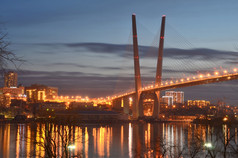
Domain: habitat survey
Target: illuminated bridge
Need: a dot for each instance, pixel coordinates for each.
(137, 97)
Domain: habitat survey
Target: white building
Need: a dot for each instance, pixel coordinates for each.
(168, 100)
(177, 96)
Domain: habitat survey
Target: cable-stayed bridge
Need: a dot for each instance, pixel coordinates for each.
(136, 98)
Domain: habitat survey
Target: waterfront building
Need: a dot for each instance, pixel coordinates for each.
(200, 103)
(8, 93)
(177, 96)
(10, 79)
(168, 100)
(40, 93)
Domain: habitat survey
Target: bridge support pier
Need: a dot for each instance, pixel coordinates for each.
(137, 109)
(137, 106)
(156, 106)
(126, 107)
(116, 104)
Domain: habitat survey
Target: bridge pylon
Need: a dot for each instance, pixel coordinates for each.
(158, 78)
(137, 106)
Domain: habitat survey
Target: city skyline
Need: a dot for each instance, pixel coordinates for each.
(85, 49)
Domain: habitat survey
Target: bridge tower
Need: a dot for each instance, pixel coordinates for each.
(156, 109)
(137, 110)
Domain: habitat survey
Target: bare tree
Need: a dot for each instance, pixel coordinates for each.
(7, 57)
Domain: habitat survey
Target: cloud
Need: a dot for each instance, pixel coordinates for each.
(85, 66)
(125, 50)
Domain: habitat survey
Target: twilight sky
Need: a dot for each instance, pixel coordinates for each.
(83, 47)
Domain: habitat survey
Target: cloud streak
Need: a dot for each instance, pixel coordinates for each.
(125, 50)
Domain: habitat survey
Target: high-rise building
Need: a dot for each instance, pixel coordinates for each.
(168, 100)
(10, 79)
(178, 96)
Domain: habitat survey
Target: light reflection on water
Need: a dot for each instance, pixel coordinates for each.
(116, 140)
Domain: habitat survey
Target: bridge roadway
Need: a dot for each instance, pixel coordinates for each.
(185, 83)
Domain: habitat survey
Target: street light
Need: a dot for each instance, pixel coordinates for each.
(208, 145)
(71, 147)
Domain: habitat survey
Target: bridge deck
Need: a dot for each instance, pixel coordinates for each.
(201, 81)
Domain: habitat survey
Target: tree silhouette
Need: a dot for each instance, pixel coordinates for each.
(7, 57)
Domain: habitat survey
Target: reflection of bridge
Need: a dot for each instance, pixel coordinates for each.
(137, 97)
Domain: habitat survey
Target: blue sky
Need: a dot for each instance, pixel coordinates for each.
(82, 46)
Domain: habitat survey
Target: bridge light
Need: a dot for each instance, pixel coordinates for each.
(208, 75)
(181, 80)
(194, 77)
(188, 79)
(176, 81)
(166, 83)
(216, 73)
(225, 71)
(162, 84)
(201, 76)
(151, 86)
(171, 82)
(234, 69)
(156, 85)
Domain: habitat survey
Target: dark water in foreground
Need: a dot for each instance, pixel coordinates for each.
(120, 140)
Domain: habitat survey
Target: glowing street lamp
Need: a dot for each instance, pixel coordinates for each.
(225, 119)
(235, 70)
(208, 145)
(71, 147)
(216, 73)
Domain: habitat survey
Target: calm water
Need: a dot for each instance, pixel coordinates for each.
(119, 140)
